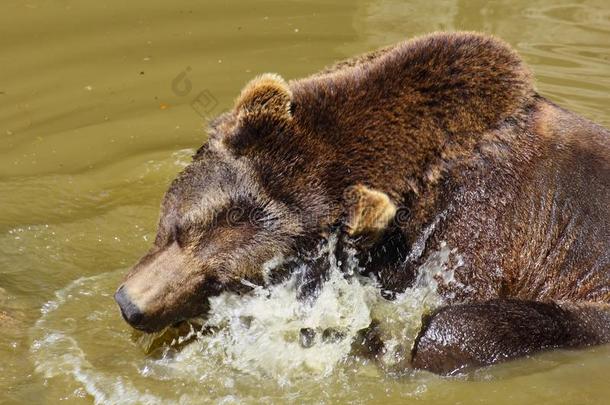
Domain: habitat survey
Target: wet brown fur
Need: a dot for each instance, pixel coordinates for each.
(450, 128)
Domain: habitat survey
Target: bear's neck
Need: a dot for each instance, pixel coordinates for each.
(397, 118)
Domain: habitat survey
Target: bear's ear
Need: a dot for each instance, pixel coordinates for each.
(369, 211)
(268, 93)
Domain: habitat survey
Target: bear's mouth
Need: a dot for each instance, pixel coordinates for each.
(177, 336)
(159, 324)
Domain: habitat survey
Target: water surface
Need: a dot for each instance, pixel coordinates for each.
(101, 104)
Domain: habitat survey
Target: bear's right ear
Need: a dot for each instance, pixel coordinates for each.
(267, 94)
(369, 212)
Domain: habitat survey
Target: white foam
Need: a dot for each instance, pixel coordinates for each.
(256, 334)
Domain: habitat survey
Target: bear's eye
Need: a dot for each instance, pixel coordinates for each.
(257, 217)
(263, 218)
(235, 215)
(254, 216)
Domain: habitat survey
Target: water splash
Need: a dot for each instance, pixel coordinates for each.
(253, 337)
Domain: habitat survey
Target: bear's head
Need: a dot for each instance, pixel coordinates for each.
(254, 194)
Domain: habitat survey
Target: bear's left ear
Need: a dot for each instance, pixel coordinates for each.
(369, 211)
(263, 109)
(268, 93)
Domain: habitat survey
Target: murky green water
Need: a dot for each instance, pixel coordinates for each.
(101, 104)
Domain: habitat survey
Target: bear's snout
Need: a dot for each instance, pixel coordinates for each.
(163, 288)
(130, 311)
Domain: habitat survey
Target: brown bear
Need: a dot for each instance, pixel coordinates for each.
(440, 140)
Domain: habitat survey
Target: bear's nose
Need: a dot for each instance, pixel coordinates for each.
(131, 313)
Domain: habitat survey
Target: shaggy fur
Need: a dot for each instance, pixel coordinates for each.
(444, 141)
